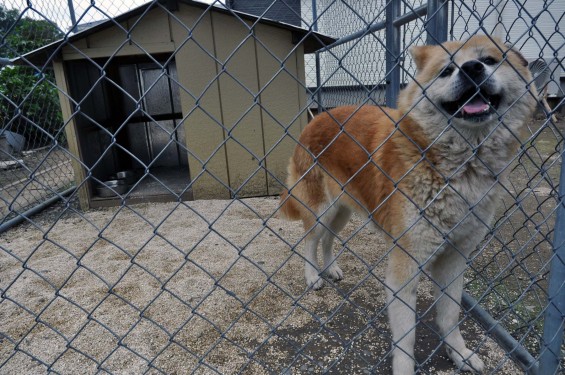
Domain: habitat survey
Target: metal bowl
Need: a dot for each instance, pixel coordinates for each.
(112, 188)
(115, 182)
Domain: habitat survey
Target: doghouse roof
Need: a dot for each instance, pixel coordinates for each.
(312, 41)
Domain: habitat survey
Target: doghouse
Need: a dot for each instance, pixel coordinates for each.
(194, 101)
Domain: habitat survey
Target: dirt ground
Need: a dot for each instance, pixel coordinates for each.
(218, 287)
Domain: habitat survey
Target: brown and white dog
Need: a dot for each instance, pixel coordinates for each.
(427, 175)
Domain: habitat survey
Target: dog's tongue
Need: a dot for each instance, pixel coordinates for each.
(477, 105)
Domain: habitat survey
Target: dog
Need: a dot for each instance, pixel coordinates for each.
(428, 175)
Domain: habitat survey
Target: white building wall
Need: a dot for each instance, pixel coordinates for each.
(510, 20)
(360, 62)
(363, 62)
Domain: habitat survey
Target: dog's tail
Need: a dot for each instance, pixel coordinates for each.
(289, 206)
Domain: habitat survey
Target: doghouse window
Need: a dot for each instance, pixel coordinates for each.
(138, 106)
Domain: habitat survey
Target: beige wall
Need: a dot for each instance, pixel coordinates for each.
(241, 115)
(149, 34)
(283, 99)
(237, 109)
(200, 100)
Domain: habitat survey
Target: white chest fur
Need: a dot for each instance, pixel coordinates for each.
(455, 200)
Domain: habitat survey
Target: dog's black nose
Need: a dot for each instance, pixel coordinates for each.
(473, 69)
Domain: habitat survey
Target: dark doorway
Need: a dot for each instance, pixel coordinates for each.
(130, 120)
(153, 110)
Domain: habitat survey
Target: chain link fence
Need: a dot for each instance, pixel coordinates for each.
(159, 134)
(33, 165)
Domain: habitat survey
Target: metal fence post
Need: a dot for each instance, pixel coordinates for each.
(392, 54)
(317, 60)
(437, 23)
(554, 317)
(73, 16)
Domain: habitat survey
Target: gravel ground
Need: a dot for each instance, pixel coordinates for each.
(207, 286)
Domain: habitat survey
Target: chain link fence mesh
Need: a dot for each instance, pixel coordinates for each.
(159, 283)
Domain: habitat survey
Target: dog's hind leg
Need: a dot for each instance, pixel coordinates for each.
(311, 272)
(401, 286)
(447, 273)
(338, 220)
(324, 228)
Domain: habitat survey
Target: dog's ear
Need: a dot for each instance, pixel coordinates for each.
(518, 54)
(420, 55)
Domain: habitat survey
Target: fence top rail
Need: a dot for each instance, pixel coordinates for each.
(381, 25)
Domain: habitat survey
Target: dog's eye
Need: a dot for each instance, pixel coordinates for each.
(446, 72)
(489, 60)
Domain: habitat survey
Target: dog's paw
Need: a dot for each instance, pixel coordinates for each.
(466, 360)
(316, 283)
(313, 279)
(334, 272)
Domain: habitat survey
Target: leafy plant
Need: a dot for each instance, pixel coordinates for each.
(30, 105)
(29, 101)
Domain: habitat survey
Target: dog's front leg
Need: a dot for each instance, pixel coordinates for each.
(402, 282)
(447, 272)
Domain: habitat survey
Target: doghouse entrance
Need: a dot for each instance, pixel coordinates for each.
(153, 134)
(138, 106)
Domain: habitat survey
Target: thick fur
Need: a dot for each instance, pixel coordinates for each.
(428, 179)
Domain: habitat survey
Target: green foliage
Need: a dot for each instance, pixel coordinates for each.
(7, 18)
(29, 102)
(30, 34)
(30, 106)
(24, 34)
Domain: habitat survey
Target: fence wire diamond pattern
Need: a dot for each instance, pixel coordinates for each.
(143, 148)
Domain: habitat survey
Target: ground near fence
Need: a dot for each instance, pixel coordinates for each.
(50, 170)
(203, 286)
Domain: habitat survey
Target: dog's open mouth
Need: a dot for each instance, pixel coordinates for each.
(473, 105)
